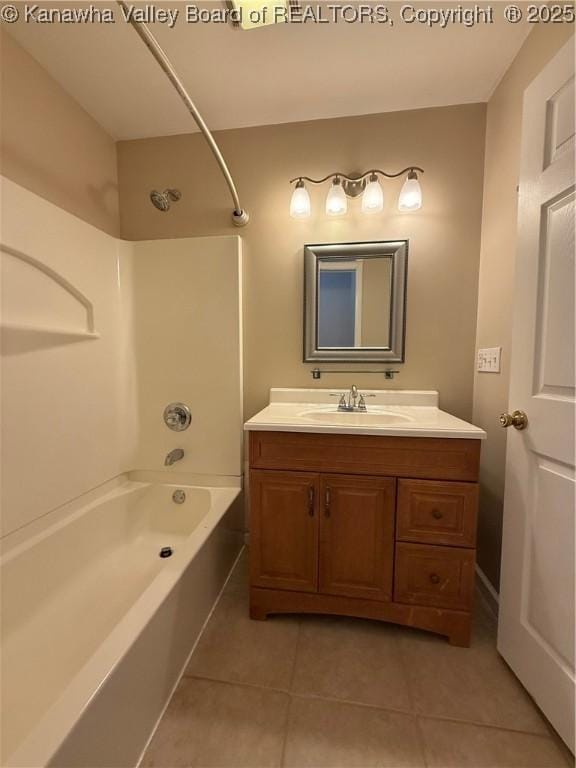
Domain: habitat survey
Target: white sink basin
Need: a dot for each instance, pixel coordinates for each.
(355, 418)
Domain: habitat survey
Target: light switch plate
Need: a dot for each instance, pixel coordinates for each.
(489, 360)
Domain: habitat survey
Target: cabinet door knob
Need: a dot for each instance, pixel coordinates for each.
(311, 501)
(436, 514)
(434, 578)
(327, 503)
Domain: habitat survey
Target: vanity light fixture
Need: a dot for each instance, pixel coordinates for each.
(336, 203)
(365, 184)
(411, 194)
(373, 197)
(300, 202)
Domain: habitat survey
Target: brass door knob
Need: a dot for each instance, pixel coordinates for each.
(516, 419)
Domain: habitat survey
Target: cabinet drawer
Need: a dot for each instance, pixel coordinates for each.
(437, 513)
(437, 576)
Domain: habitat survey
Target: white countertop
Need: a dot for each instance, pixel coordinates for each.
(396, 413)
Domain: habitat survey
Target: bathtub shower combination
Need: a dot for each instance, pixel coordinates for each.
(109, 574)
(113, 556)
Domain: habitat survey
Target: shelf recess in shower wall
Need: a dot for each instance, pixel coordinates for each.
(20, 328)
(17, 338)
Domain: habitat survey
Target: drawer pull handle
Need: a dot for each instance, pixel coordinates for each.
(436, 514)
(311, 501)
(434, 578)
(327, 503)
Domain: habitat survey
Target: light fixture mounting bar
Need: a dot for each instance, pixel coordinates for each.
(359, 177)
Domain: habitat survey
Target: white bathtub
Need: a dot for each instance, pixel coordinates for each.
(97, 627)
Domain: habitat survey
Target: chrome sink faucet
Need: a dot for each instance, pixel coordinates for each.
(355, 401)
(176, 455)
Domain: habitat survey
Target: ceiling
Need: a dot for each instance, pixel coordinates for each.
(272, 74)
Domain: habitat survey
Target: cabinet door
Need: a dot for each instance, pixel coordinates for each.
(357, 536)
(284, 530)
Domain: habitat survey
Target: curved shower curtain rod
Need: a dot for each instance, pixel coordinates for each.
(239, 215)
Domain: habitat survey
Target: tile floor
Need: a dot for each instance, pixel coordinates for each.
(328, 692)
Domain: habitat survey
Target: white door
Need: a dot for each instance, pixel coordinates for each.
(536, 626)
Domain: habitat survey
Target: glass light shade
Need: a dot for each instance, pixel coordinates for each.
(410, 195)
(300, 203)
(336, 203)
(373, 197)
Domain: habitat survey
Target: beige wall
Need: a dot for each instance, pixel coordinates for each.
(51, 146)
(497, 265)
(444, 236)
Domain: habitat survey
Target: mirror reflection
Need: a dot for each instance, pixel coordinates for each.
(354, 302)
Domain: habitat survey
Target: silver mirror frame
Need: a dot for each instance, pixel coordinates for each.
(398, 251)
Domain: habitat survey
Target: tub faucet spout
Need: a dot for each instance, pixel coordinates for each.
(173, 457)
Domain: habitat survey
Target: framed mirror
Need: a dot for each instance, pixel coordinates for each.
(355, 301)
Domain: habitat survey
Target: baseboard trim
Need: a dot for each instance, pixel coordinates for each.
(487, 591)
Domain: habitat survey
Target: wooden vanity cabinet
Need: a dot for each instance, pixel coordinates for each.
(375, 527)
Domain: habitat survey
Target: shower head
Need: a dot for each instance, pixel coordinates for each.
(162, 200)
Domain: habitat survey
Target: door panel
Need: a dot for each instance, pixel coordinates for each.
(284, 530)
(554, 363)
(357, 536)
(536, 626)
(547, 556)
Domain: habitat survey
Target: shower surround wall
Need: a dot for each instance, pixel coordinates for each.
(188, 347)
(68, 409)
(98, 336)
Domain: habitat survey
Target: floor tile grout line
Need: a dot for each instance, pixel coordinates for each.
(551, 737)
(391, 710)
(307, 695)
(240, 683)
(411, 696)
(476, 724)
(412, 702)
(421, 740)
(287, 723)
(295, 660)
(290, 699)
